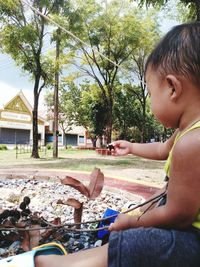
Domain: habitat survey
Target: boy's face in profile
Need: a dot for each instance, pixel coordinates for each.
(160, 92)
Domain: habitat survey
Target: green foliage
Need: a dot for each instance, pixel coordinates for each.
(94, 110)
(127, 112)
(65, 109)
(130, 122)
(152, 2)
(123, 33)
(186, 12)
(49, 146)
(192, 8)
(117, 31)
(22, 36)
(9, 8)
(81, 105)
(3, 147)
(68, 147)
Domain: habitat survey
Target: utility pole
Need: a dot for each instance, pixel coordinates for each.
(56, 100)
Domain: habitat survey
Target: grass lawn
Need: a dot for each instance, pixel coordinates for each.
(73, 159)
(128, 167)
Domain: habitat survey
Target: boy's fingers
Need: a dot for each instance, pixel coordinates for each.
(110, 147)
(110, 228)
(113, 227)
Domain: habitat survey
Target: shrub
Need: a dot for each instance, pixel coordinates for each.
(49, 146)
(3, 147)
(68, 147)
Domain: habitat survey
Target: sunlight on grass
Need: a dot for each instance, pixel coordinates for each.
(84, 161)
(72, 159)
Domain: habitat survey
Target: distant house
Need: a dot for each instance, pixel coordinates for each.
(16, 122)
(16, 126)
(75, 137)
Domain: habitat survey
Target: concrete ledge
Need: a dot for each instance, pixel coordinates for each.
(141, 190)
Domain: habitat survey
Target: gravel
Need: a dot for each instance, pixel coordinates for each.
(43, 202)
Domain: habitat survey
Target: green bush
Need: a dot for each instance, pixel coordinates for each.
(68, 147)
(49, 146)
(3, 147)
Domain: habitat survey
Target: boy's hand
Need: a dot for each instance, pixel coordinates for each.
(120, 148)
(122, 222)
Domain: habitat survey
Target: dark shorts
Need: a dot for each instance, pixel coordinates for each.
(154, 247)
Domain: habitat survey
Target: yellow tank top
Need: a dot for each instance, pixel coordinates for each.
(196, 125)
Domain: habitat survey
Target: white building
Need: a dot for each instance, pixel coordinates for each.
(16, 126)
(75, 137)
(16, 122)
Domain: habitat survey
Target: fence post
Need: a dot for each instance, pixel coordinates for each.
(16, 147)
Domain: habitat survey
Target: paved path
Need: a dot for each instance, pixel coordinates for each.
(128, 186)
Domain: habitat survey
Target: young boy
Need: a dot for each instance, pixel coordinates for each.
(167, 235)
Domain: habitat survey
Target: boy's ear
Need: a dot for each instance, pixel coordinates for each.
(175, 85)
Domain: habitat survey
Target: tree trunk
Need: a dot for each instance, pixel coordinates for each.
(94, 142)
(109, 126)
(110, 112)
(101, 141)
(143, 137)
(35, 153)
(56, 88)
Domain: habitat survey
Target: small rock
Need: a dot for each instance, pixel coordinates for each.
(15, 246)
(98, 243)
(80, 246)
(3, 251)
(14, 198)
(86, 245)
(44, 196)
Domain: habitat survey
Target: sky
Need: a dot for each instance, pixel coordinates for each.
(12, 79)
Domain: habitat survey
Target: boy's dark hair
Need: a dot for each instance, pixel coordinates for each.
(178, 52)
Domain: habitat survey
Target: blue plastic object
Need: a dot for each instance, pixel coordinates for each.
(107, 213)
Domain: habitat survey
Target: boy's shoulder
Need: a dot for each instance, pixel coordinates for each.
(185, 163)
(188, 143)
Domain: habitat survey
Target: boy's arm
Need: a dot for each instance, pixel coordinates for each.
(149, 206)
(156, 151)
(183, 194)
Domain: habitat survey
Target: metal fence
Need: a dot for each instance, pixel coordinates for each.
(27, 148)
